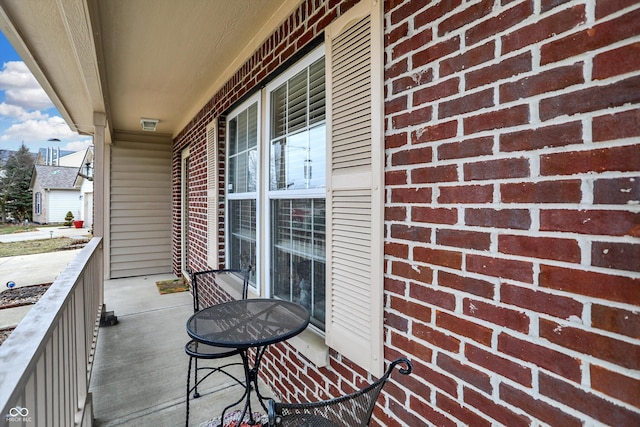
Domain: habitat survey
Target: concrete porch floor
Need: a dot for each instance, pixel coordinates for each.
(140, 369)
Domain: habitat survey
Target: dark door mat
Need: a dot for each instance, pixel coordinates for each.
(24, 295)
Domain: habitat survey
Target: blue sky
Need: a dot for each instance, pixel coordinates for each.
(26, 113)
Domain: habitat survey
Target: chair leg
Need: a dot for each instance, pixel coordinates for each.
(188, 390)
(195, 384)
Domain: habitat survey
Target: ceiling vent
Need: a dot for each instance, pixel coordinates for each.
(149, 124)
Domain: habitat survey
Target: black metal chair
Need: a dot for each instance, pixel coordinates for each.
(351, 410)
(197, 351)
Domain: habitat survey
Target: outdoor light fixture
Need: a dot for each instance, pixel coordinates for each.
(149, 124)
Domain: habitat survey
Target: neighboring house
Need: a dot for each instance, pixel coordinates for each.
(56, 156)
(457, 182)
(54, 194)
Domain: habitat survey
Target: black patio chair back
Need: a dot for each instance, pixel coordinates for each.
(197, 351)
(352, 410)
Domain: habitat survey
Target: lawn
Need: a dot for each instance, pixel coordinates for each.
(12, 228)
(29, 247)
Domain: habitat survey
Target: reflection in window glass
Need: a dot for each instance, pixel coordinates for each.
(298, 254)
(242, 227)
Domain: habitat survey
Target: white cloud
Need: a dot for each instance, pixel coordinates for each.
(21, 88)
(39, 130)
(77, 145)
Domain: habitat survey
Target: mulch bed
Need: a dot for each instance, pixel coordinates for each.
(4, 333)
(24, 295)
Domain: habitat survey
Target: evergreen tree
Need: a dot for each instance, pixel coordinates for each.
(15, 196)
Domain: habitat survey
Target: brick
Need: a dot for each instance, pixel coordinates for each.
(411, 195)
(591, 284)
(615, 62)
(470, 285)
(616, 159)
(434, 132)
(406, 10)
(608, 7)
(497, 169)
(396, 213)
(466, 194)
(591, 99)
(559, 306)
(616, 385)
(412, 156)
(464, 239)
(546, 28)
(521, 271)
(408, 346)
(411, 233)
(503, 70)
(542, 82)
(540, 247)
(435, 52)
(396, 250)
(474, 147)
(537, 408)
(396, 34)
(468, 59)
(408, 83)
(430, 14)
(411, 309)
(431, 296)
(594, 406)
(596, 37)
(544, 137)
(498, 364)
(466, 16)
(413, 43)
(498, 119)
(408, 271)
(463, 327)
(396, 68)
(464, 372)
(434, 215)
(466, 104)
(486, 404)
(609, 127)
(542, 192)
(595, 222)
(519, 219)
(395, 105)
(435, 337)
(439, 257)
(599, 346)
(437, 379)
(501, 316)
(500, 23)
(412, 118)
(434, 174)
(397, 177)
(540, 355)
(396, 140)
(615, 255)
(443, 89)
(616, 320)
(464, 415)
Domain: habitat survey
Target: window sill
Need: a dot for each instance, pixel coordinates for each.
(308, 343)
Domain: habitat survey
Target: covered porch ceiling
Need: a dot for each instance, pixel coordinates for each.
(133, 59)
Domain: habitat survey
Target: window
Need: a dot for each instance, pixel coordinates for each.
(305, 186)
(38, 203)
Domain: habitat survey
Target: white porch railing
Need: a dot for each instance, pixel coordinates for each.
(45, 364)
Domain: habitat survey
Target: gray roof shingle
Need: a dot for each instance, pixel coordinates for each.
(58, 177)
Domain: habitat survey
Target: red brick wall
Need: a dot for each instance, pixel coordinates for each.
(512, 216)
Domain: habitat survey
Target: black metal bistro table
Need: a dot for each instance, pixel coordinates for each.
(248, 324)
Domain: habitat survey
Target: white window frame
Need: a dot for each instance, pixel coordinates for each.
(256, 195)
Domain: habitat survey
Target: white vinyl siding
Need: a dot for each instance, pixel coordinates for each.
(355, 186)
(140, 210)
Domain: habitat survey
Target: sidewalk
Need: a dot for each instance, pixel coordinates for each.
(28, 270)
